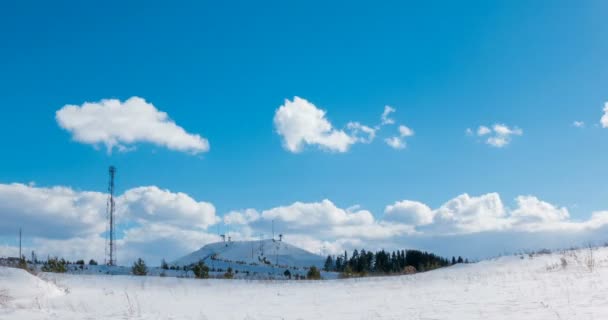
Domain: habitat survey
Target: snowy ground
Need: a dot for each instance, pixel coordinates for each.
(517, 287)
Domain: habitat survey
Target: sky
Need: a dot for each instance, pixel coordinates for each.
(473, 128)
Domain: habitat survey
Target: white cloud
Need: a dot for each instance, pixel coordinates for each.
(153, 204)
(66, 222)
(123, 124)
(395, 142)
(532, 209)
(301, 123)
(156, 223)
(579, 124)
(398, 142)
(357, 129)
(466, 214)
(242, 217)
(498, 136)
(386, 120)
(483, 130)
(409, 212)
(604, 119)
(55, 212)
(405, 131)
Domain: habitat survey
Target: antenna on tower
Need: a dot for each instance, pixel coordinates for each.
(111, 249)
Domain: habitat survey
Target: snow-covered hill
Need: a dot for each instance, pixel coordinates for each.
(261, 252)
(564, 285)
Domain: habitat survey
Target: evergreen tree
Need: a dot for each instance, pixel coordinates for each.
(329, 264)
(92, 262)
(313, 273)
(164, 265)
(55, 265)
(201, 271)
(139, 268)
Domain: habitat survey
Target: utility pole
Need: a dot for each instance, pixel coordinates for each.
(20, 243)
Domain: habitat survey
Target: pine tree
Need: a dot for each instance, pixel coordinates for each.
(164, 265)
(313, 273)
(201, 271)
(329, 264)
(139, 268)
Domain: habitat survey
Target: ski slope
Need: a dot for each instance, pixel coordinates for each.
(564, 285)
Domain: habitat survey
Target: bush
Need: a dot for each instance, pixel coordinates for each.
(54, 265)
(92, 262)
(313, 273)
(164, 265)
(287, 274)
(229, 274)
(139, 268)
(22, 263)
(201, 271)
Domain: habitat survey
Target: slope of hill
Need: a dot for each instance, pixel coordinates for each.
(564, 285)
(261, 252)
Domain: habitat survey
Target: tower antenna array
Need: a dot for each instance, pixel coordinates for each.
(111, 249)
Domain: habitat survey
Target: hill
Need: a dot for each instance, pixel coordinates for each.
(254, 253)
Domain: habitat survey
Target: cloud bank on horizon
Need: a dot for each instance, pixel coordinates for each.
(155, 223)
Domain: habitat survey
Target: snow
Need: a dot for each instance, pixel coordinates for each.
(562, 285)
(274, 252)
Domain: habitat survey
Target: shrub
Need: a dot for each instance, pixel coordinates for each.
(229, 274)
(92, 262)
(54, 265)
(22, 263)
(201, 271)
(139, 268)
(313, 273)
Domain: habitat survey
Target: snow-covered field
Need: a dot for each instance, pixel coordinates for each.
(554, 286)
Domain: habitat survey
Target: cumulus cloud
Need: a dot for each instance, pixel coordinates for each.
(120, 125)
(151, 203)
(467, 214)
(62, 221)
(321, 220)
(361, 133)
(578, 124)
(499, 135)
(398, 142)
(55, 212)
(386, 119)
(301, 123)
(155, 223)
(604, 119)
(409, 212)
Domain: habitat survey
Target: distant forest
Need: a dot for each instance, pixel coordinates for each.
(361, 263)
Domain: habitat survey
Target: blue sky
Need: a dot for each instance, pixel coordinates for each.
(222, 69)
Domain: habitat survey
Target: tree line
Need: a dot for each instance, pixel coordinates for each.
(383, 262)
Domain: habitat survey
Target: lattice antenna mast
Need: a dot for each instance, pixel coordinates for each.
(111, 250)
